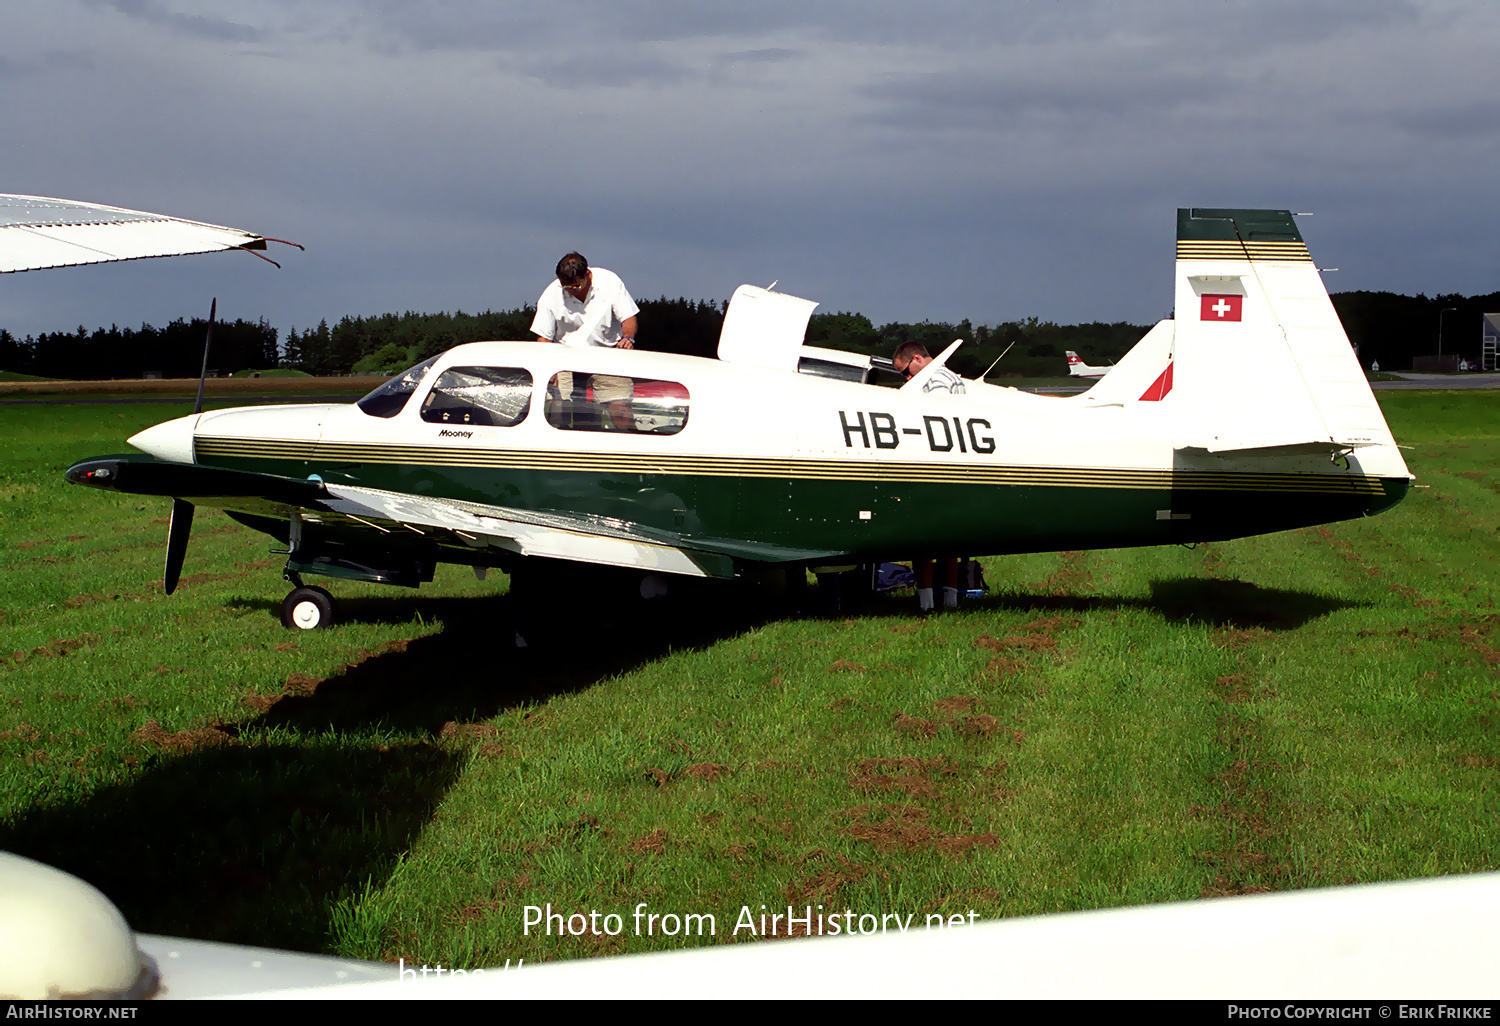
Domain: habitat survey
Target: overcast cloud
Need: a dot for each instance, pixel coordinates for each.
(934, 160)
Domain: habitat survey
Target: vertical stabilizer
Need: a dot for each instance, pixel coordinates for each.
(1261, 360)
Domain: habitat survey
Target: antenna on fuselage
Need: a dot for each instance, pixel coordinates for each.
(997, 360)
(213, 309)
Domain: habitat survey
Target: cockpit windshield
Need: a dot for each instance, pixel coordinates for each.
(390, 398)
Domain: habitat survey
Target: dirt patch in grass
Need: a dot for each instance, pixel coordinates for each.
(982, 725)
(1072, 578)
(1012, 650)
(905, 828)
(953, 714)
(654, 843)
(1475, 635)
(302, 684)
(185, 741)
(1235, 688)
(460, 734)
(56, 648)
(915, 726)
(1248, 812)
(261, 703)
(820, 887)
(910, 785)
(1237, 640)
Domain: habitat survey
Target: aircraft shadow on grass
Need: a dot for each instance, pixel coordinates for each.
(1191, 600)
(257, 843)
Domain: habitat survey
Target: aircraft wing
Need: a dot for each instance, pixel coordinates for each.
(38, 232)
(586, 538)
(450, 523)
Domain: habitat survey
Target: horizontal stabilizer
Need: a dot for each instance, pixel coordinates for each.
(1312, 448)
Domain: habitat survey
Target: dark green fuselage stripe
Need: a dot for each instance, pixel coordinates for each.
(882, 517)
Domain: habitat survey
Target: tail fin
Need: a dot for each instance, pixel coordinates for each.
(1143, 374)
(1260, 361)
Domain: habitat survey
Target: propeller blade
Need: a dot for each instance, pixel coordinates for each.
(177, 539)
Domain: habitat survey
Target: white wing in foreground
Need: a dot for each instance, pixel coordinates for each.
(38, 232)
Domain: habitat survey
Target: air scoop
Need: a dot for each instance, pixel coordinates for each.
(171, 441)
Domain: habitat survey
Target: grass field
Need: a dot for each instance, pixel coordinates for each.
(1106, 728)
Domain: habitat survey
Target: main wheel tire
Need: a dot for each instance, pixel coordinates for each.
(307, 609)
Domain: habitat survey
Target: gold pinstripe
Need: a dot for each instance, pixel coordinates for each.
(1279, 251)
(210, 448)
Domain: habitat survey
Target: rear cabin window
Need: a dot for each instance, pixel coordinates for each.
(605, 402)
(481, 396)
(390, 398)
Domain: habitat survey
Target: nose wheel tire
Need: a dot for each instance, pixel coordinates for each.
(307, 609)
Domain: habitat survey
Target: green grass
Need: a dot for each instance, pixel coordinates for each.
(1305, 709)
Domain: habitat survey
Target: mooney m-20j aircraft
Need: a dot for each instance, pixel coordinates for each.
(776, 455)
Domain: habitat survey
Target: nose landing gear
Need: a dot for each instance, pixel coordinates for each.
(307, 609)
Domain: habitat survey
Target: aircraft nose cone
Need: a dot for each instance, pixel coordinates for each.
(172, 440)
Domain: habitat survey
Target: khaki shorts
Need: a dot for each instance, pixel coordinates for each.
(608, 388)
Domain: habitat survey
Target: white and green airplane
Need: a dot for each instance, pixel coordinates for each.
(1246, 414)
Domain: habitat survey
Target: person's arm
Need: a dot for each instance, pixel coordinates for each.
(627, 334)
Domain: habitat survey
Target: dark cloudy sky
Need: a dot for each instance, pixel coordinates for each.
(934, 160)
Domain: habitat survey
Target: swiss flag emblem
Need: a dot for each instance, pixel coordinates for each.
(1221, 308)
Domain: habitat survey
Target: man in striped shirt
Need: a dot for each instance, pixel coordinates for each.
(911, 357)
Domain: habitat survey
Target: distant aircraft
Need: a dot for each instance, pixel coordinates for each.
(1078, 369)
(1248, 415)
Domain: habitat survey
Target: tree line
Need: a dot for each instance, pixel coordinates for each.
(1383, 327)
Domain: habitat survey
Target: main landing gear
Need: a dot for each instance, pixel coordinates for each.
(307, 609)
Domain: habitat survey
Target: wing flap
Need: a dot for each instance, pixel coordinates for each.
(552, 536)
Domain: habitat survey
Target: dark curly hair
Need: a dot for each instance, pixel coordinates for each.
(572, 268)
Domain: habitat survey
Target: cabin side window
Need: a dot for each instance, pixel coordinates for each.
(482, 396)
(606, 402)
(390, 398)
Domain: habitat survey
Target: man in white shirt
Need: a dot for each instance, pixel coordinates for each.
(909, 359)
(590, 307)
(585, 307)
